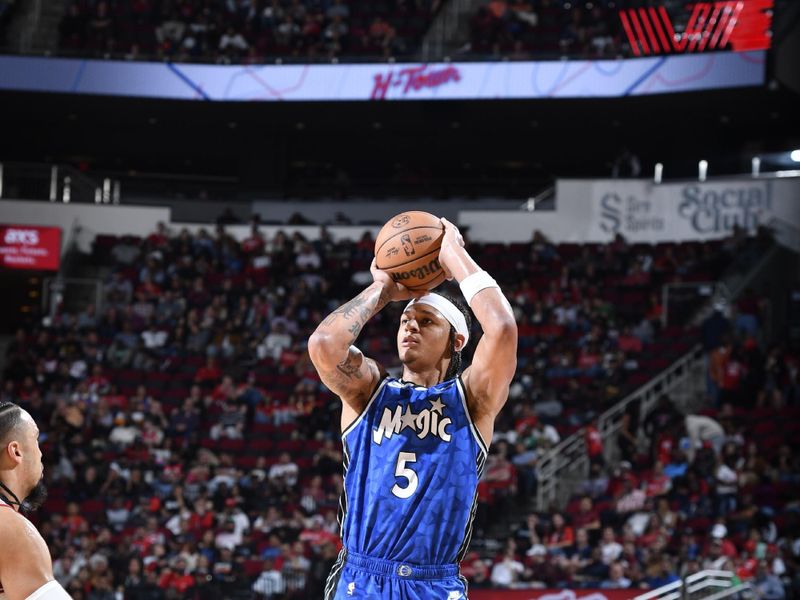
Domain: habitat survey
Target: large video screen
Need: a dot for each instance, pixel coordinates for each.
(738, 25)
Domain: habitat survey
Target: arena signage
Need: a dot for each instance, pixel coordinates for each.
(413, 79)
(702, 210)
(30, 247)
(641, 211)
(385, 82)
(736, 24)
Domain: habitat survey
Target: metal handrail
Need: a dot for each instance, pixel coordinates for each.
(562, 458)
(786, 234)
(536, 200)
(56, 183)
(444, 26)
(559, 457)
(675, 585)
(696, 582)
(707, 573)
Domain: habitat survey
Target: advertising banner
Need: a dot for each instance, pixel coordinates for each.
(641, 211)
(386, 81)
(616, 594)
(30, 247)
(692, 211)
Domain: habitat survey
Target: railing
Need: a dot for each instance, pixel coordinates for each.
(26, 37)
(736, 284)
(708, 585)
(785, 234)
(705, 291)
(563, 465)
(70, 294)
(544, 199)
(444, 28)
(55, 183)
(568, 461)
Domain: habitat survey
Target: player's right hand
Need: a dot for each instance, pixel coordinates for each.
(395, 291)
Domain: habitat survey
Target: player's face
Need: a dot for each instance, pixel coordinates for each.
(32, 459)
(423, 336)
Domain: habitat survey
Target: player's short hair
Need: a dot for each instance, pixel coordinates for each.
(10, 420)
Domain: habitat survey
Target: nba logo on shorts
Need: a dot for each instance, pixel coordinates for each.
(351, 587)
(454, 595)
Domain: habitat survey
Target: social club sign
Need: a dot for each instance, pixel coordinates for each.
(688, 211)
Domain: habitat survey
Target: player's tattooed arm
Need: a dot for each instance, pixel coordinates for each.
(354, 314)
(342, 366)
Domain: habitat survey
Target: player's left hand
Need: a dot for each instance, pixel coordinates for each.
(396, 291)
(452, 243)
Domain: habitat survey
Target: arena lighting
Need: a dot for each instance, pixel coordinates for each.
(756, 166)
(741, 25)
(795, 155)
(658, 172)
(702, 170)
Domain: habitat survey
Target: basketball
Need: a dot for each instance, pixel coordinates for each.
(407, 247)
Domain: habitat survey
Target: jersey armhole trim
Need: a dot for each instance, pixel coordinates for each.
(372, 398)
(477, 434)
(51, 590)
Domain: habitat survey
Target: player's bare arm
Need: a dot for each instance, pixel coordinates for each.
(341, 366)
(25, 564)
(488, 377)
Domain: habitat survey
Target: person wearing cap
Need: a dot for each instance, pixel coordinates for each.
(415, 447)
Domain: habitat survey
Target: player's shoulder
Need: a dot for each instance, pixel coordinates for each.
(13, 523)
(27, 559)
(9, 518)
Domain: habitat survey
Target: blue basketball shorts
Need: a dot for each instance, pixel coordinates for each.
(356, 576)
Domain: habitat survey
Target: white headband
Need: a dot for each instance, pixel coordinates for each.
(448, 310)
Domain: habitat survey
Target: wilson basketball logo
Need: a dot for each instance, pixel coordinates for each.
(419, 273)
(401, 221)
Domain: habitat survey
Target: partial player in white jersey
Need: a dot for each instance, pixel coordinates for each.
(26, 568)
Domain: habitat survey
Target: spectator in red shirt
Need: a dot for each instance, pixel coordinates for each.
(561, 535)
(594, 443)
(716, 368)
(160, 237)
(226, 390)
(254, 243)
(658, 484)
(733, 371)
(176, 577)
(627, 342)
(202, 519)
(586, 517)
(209, 373)
(74, 521)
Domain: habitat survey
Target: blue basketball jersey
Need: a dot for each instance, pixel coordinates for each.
(412, 463)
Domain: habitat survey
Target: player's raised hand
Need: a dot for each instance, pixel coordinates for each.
(452, 244)
(395, 291)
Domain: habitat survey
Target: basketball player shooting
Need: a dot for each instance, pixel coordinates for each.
(26, 568)
(415, 448)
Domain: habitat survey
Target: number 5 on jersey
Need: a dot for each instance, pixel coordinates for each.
(402, 471)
